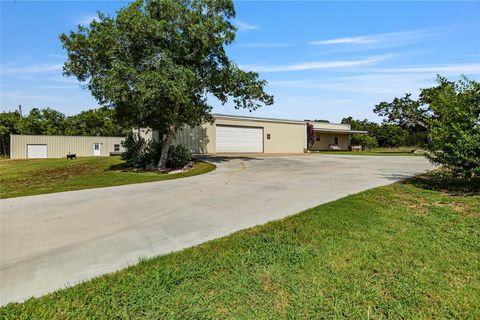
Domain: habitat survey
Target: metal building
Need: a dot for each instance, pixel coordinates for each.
(44, 146)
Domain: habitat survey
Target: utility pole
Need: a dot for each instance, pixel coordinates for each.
(21, 116)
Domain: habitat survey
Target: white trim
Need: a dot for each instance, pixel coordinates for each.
(247, 118)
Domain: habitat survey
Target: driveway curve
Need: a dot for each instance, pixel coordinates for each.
(51, 241)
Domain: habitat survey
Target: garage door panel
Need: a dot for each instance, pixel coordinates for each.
(239, 139)
(37, 151)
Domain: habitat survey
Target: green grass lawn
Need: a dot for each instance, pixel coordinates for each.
(408, 250)
(400, 151)
(31, 177)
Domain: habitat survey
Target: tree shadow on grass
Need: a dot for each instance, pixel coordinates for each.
(444, 181)
(219, 159)
(119, 167)
(123, 167)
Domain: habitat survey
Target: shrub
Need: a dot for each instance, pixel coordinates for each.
(142, 154)
(390, 135)
(136, 149)
(178, 156)
(455, 126)
(366, 141)
(310, 135)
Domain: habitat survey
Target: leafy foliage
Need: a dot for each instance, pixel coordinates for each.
(9, 124)
(450, 115)
(366, 141)
(140, 153)
(390, 134)
(178, 156)
(310, 135)
(455, 125)
(404, 112)
(144, 154)
(157, 61)
(365, 125)
(95, 122)
(43, 121)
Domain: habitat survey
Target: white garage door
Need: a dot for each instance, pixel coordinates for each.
(36, 151)
(239, 139)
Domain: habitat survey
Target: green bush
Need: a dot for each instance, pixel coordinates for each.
(455, 126)
(390, 135)
(142, 154)
(178, 156)
(366, 141)
(136, 151)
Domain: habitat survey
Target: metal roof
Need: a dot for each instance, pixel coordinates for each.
(340, 131)
(226, 116)
(249, 118)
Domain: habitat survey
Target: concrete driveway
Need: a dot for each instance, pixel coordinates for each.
(56, 240)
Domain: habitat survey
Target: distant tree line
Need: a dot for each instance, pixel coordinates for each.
(47, 121)
(386, 135)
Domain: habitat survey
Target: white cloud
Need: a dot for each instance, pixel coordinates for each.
(57, 87)
(32, 69)
(86, 18)
(357, 40)
(58, 56)
(64, 79)
(381, 83)
(453, 69)
(394, 38)
(316, 65)
(267, 45)
(245, 25)
(23, 95)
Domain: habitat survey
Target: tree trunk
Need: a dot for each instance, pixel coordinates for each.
(429, 137)
(162, 163)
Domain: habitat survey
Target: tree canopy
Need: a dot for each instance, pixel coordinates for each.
(157, 61)
(450, 114)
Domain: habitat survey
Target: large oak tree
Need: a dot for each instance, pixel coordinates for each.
(157, 61)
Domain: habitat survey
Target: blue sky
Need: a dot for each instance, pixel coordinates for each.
(323, 60)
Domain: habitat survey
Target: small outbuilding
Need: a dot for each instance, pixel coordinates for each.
(46, 146)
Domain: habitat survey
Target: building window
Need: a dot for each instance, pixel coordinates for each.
(336, 141)
(116, 147)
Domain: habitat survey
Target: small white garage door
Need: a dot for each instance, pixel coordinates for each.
(239, 139)
(36, 151)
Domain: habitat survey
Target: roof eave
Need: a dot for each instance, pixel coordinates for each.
(341, 131)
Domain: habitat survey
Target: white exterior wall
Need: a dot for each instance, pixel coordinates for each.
(60, 146)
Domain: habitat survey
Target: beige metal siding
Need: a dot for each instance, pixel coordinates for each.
(60, 146)
(284, 137)
(197, 139)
